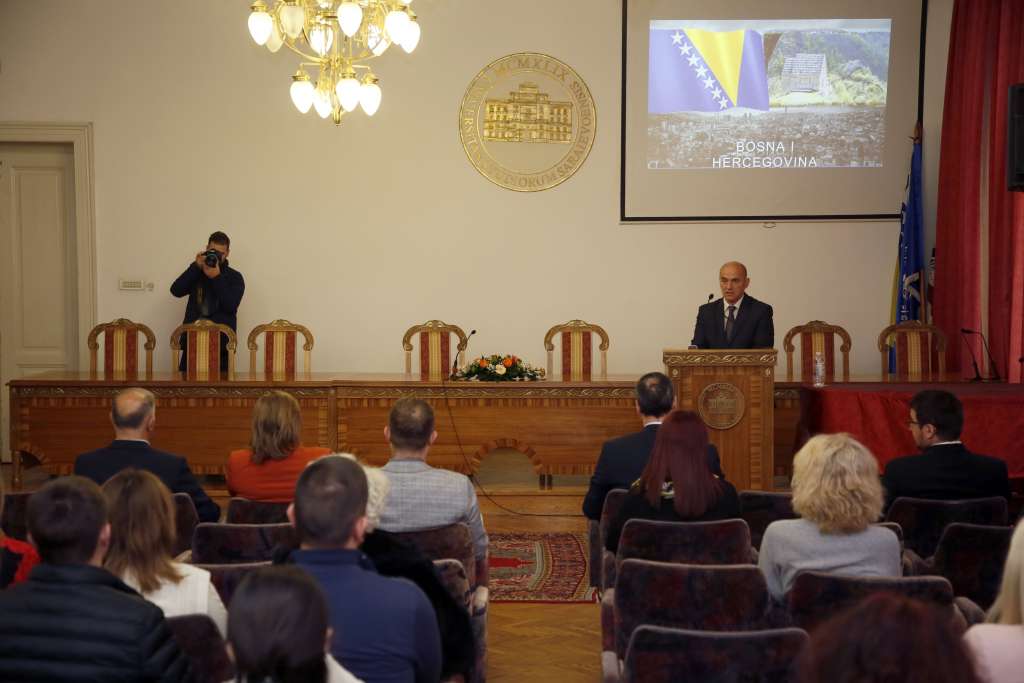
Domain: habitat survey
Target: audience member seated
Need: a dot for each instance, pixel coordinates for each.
(998, 646)
(623, 459)
(133, 414)
(945, 469)
(278, 630)
(677, 484)
(268, 469)
(887, 638)
(142, 538)
(424, 497)
(72, 620)
(17, 558)
(838, 496)
(384, 628)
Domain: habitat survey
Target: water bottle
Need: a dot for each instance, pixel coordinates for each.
(819, 369)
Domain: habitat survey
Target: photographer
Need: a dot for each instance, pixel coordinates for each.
(214, 291)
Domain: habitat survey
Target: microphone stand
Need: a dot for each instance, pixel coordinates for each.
(974, 361)
(455, 363)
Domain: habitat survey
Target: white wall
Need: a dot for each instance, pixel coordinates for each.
(362, 230)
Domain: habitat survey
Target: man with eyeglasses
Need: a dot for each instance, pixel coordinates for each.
(945, 469)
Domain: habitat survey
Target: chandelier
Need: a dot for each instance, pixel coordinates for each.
(334, 40)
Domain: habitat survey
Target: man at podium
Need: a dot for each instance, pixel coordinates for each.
(737, 320)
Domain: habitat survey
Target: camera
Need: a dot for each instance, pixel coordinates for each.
(211, 257)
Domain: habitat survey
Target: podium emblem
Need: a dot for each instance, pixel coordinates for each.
(721, 405)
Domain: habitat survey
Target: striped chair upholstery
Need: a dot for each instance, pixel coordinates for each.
(435, 349)
(817, 337)
(577, 350)
(279, 348)
(920, 350)
(120, 348)
(203, 349)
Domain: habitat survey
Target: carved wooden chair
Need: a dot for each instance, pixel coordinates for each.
(817, 336)
(280, 340)
(203, 348)
(920, 350)
(120, 348)
(577, 350)
(435, 349)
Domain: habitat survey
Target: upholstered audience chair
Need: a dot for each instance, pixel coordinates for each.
(186, 518)
(817, 336)
(971, 558)
(602, 562)
(920, 351)
(280, 347)
(227, 577)
(455, 542)
(232, 543)
(725, 541)
(664, 655)
(817, 596)
(245, 511)
(202, 347)
(577, 350)
(923, 521)
(120, 348)
(14, 519)
(202, 644)
(701, 597)
(761, 508)
(435, 340)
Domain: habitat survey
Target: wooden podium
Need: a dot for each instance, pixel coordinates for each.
(733, 391)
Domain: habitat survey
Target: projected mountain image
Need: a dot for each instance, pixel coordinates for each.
(767, 95)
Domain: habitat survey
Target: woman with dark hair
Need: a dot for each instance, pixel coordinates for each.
(677, 485)
(269, 468)
(884, 639)
(278, 632)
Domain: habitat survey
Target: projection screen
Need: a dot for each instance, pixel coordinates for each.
(749, 110)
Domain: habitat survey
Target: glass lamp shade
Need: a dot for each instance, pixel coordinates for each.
(369, 96)
(302, 92)
(376, 40)
(321, 38)
(395, 24)
(348, 91)
(350, 16)
(322, 103)
(261, 24)
(411, 38)
(293, 17)
(275, 41)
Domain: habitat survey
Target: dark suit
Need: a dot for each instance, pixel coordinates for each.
(172, 470)
(621, 462)
(753, 328)
(946, 472)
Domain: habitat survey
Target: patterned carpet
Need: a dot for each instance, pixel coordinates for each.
(540, 567)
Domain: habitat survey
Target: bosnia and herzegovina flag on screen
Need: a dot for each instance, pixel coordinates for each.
(706, 71)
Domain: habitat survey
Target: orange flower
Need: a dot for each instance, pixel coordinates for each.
(507, 362)
(482, 362)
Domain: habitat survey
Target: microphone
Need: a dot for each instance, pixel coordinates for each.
(991, 361)
(455, 363)
(710, 297)
(974, 361)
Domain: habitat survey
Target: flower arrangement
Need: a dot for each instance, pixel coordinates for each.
(498, 368)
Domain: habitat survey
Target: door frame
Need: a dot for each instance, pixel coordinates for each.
(80, 136)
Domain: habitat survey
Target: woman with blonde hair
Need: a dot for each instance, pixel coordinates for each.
(142, 536)
(269, 468)
(998, 646)
(838, 495)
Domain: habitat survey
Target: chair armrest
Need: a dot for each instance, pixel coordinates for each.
(608, 620)
(611, 667)
(608, 569)
(915, 565)
(969, 611)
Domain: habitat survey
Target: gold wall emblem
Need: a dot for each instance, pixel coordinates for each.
(518, 101)
(721, 405)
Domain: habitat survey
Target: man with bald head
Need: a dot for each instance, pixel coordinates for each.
(737, 320)
(133, 415)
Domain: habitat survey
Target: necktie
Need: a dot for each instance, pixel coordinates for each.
(730, 323)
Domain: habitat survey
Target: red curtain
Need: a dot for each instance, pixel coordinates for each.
(985, 58)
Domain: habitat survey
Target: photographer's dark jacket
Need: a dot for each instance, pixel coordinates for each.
(214, 299)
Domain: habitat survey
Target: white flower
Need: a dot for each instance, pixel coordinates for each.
(499, 369)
